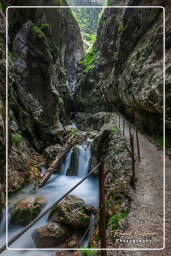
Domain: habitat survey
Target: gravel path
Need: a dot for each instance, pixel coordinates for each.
(147, 206)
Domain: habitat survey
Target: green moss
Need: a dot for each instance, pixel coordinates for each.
(25, 216)
(16, 139)
(75, 130)
(113, 222)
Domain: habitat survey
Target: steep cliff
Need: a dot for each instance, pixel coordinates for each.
(2, 105)
(127, 66)
(44, 48)
(43, 62)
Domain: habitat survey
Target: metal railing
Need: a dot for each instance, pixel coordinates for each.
(121, 122)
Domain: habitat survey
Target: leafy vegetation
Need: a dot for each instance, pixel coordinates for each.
(121, 27)
(74, 130)
(88, 19)
(16, 139)
(113, 222)
(159, 141)
(38, 31)
(89, 59)
(62, 70)
(10, 56)
(1, 5)
(87, 252)
(45, 25)
(60, 100)
(112, 128)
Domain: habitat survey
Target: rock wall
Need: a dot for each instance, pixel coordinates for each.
(128, 66)
(2, 105)
(42, 54)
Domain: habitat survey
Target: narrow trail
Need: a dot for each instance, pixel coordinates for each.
(147, 206)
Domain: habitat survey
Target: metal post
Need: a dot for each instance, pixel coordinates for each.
(129, 131)
(133, 161)
(138, 146)
(123, 126)
(102, 223)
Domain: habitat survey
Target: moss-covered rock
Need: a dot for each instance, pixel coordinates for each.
(72, 212)
(26, 210)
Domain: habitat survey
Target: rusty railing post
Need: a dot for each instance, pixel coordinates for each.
(123, 126)
(138, 145)
(133, 162)
(129, 132)
(102, 222)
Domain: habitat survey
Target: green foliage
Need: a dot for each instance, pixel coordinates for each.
(62, 3)
(74, 130)
(38, 31)
(1, 5)
(16, 139)
(10, 56)
(113, 222)
(112, 128)
(87, 252)
(121, 28)
(92, 38)
(159, 141)
(60, 100)
(45, 25)
(88, 22)
(89, 59)
(62, 70)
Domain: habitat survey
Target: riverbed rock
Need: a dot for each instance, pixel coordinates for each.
(72, 212)
(26, 210)
(51, 235)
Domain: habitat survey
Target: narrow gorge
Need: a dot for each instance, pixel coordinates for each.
(83, 127)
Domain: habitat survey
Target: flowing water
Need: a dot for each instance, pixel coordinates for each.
(57, 185)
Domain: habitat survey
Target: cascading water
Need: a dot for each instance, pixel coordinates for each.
(57, 186)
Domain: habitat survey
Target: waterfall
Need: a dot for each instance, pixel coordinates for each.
(81, 155)
(66, 164)
(84, 155)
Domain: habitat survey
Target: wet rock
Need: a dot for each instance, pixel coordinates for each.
(26, 210)
(53, 151)
(51, 235)
(72, 242)
(72, 212)
(74, 162)
(92, 121)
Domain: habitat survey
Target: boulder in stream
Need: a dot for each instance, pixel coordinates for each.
(51, 235)
(26, 210)
(72, 212)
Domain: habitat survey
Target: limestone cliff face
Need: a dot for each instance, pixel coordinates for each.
(2, 104)
(43, 54)
(128, 66)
